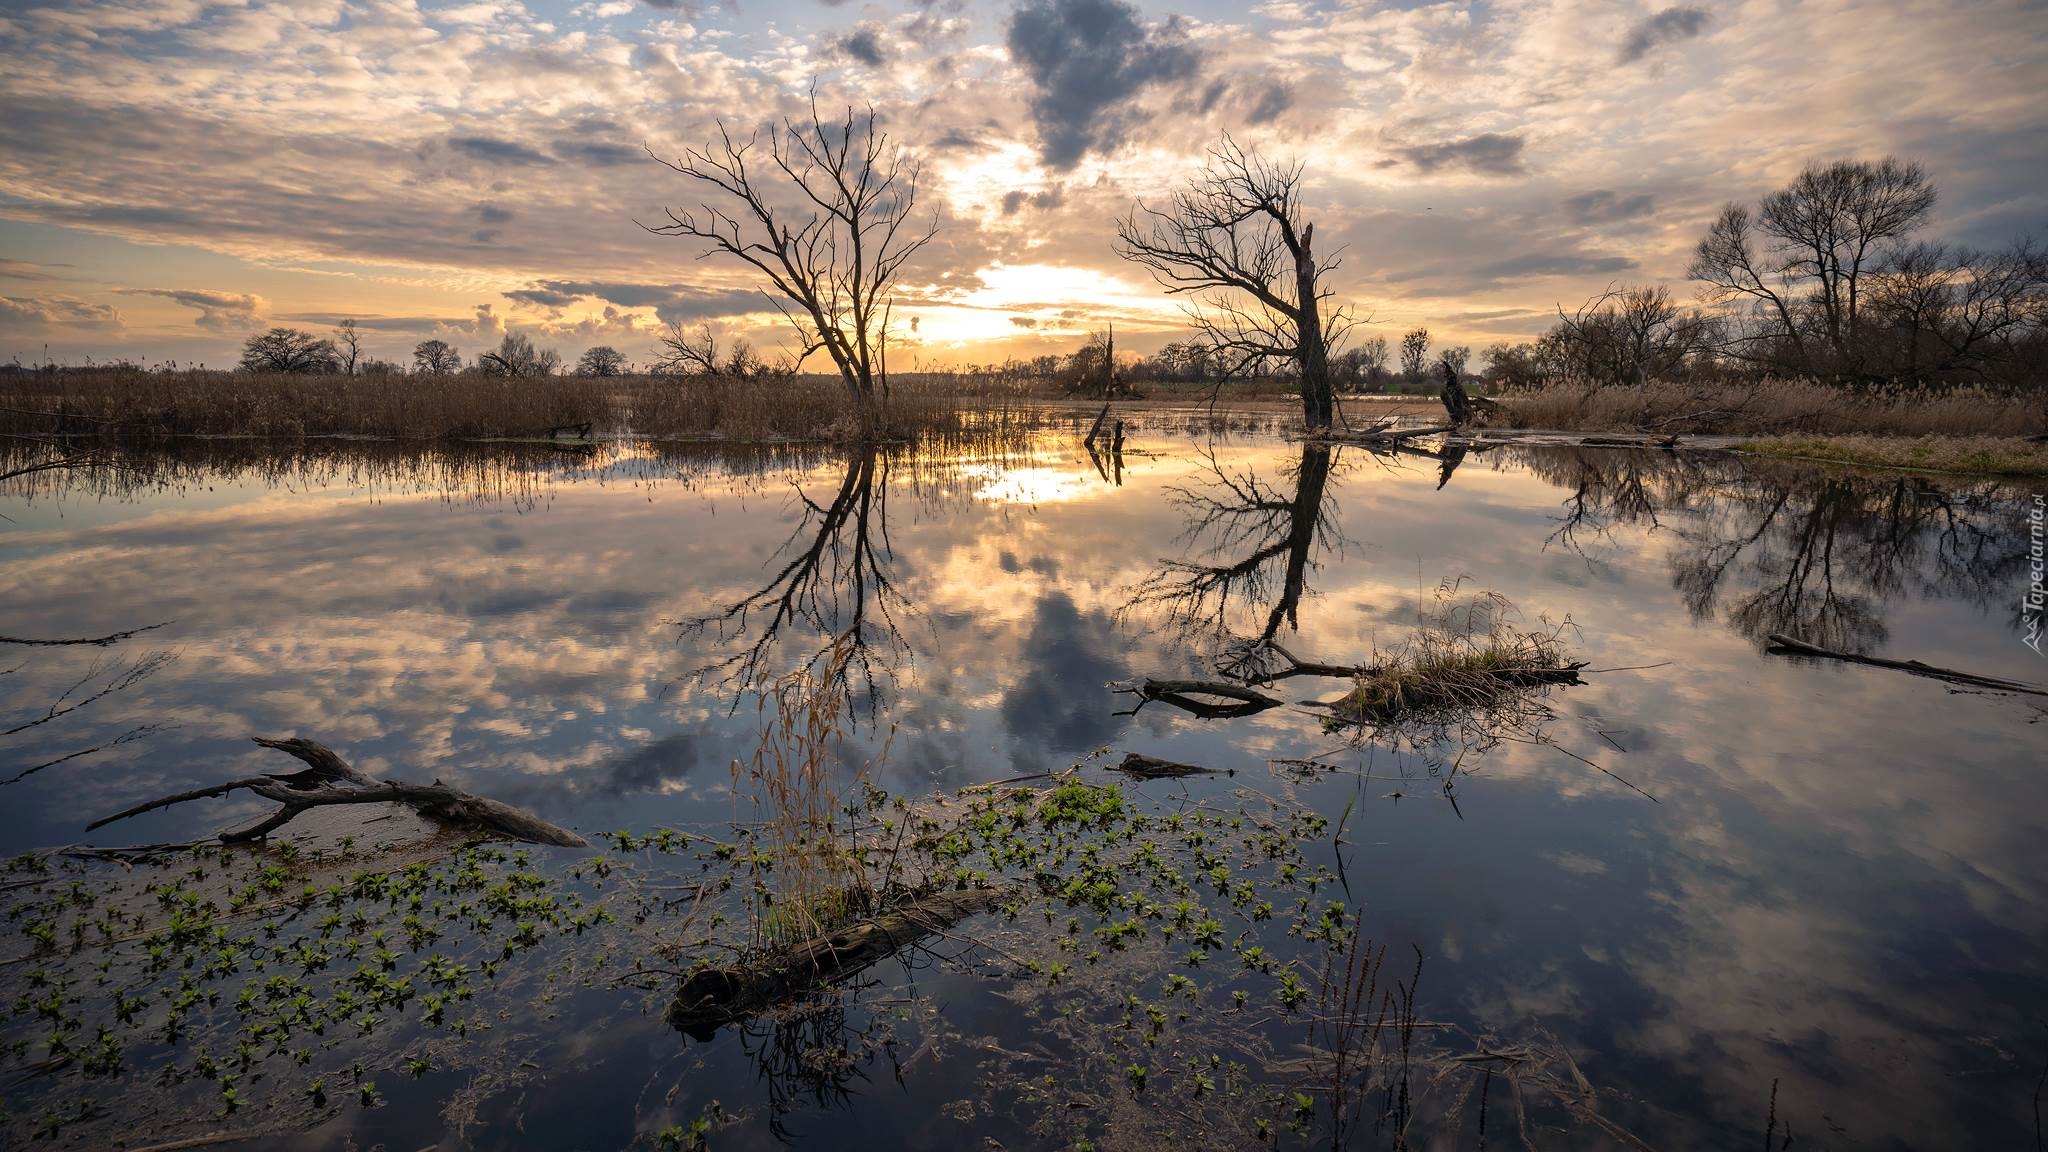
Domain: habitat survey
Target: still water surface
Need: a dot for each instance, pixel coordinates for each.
(1837, 890)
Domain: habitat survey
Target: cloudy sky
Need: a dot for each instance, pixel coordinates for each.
(177, 173)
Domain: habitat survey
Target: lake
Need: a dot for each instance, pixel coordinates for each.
(1707, 892)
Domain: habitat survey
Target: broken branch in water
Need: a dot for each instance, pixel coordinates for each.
(1187, 695)
(1252, 663)
(328, 779)
(1782, 645)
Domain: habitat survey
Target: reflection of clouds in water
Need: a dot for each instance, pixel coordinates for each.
(1061, 701)
(1839, 887)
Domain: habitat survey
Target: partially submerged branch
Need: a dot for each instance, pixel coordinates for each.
(328, 779)
(1782, 645)
(1202, 698)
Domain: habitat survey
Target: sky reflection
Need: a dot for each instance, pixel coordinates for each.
(1837, 889)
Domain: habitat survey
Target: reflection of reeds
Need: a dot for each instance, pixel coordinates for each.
(817, 876)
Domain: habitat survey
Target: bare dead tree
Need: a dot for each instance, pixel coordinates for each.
(1236, 240)
(827, 220)
(1801, 258)
(349, 339)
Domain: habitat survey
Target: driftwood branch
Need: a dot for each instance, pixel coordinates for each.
(327, 779)
(1782, 645)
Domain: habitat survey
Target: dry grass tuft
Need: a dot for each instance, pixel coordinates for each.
(1772, 407)
(1988, 455)
(1469, 673)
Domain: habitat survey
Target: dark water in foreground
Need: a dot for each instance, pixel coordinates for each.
(1838, 888)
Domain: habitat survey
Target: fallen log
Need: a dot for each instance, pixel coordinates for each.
(1667, 443)
(1782, 645)
(328, 779)
(713, 997)
(1381, 437)
(1143, 767)
(1186, 695)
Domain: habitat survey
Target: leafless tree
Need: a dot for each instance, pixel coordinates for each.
(1945, 313)
(1801, 258)
(833, 253)
(517, 356)
(686, 353)
(349, 344)
(1360, 367)
(1235, 238)
(435, 358)
(1415, 353)
(603, 360)
(1626, 336)
(288, 350)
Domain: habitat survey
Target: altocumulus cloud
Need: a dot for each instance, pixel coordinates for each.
(863, 45)
(57, 311)
(1489, 154)
(1088, 60)
(218, 311)
(1666, 27)
(671, 302)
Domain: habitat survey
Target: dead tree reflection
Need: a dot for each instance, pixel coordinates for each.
(1253, 546)
(1767, 547)
(831, 584)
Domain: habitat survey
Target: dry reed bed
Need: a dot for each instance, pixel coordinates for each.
(1983, 455)
(1804, 407)
(129, 404)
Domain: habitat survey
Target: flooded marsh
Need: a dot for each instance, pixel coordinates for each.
(1464, 802)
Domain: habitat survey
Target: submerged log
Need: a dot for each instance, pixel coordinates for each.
(1782, 645)
(713, 997)
(1143, 767)
(328, 779)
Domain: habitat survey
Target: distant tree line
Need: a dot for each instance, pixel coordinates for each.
(340, 354)
(1824, 278)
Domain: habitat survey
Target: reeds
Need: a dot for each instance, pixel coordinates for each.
(126, 404)
(1983, 455)
(130, 403)
(807, 839)
(1773, 407)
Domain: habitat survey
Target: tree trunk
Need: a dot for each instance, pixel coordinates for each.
(1312, 355)
(1456, 403)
